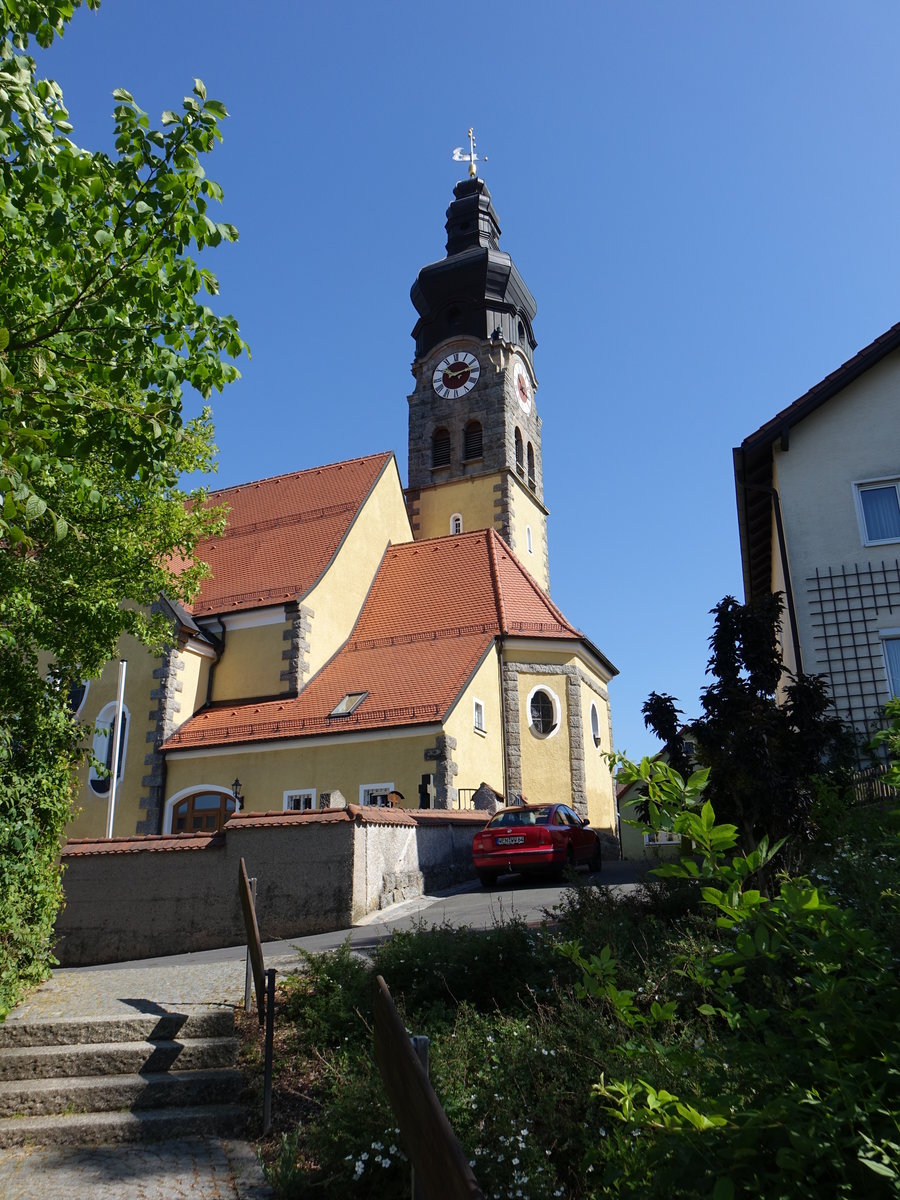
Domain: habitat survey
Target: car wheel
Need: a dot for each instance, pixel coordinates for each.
(487, 878)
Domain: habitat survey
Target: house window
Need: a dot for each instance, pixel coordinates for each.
(662, 837)
(543, 712)
(456, 525)
(879, 511)
(891, 647)
(104, 744)
(376, 793)
(77, 695)
(531, 466)
(520, 454)
(346, 706)
(479, 716)
(301, 800)
(202, 812)
(595, 725)
(472, 442)
(440, 448)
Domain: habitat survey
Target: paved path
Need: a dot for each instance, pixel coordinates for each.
(202, 1169)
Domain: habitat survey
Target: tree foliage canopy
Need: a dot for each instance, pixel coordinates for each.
(103, 322)
(767, 752)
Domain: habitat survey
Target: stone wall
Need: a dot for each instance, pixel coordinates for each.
(129, 898)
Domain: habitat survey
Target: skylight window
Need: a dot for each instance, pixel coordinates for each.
(350, 702)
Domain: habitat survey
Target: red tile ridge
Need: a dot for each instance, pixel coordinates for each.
(374, 814)
(385, 455)
(281, 817)
(495, 581)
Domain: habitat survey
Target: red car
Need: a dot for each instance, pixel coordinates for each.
(534, 837)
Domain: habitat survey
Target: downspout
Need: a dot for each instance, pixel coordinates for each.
(220, 650)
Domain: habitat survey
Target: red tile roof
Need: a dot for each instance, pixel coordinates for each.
(154, 843)
(282, 533)
(433, 611)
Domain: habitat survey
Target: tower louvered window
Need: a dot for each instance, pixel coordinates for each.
(531, 466)
(440, 448)
(473, 440)
(520, 455)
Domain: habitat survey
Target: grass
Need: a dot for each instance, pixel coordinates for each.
(518, 1049)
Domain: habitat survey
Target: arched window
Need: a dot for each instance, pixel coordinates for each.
(456, 524)
(528, 540)
(440, 448)
(104, 745)
(520, 453)
(531, 466)
(202, 812)
(472, 445)
(521, 334)
(595, 725)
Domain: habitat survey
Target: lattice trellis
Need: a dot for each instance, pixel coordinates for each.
(846, 608)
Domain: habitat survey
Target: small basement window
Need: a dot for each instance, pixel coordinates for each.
(349, 703)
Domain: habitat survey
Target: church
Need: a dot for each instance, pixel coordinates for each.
(362, 643)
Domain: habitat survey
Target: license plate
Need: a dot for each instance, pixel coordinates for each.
(511, 841)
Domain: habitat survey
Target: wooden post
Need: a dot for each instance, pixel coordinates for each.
(254, 944)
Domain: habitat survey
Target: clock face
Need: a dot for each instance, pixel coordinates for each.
(523, 387)
(455, 375)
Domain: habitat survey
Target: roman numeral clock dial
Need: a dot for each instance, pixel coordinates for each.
(455, 375)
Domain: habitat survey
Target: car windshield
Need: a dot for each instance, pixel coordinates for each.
(522, 816)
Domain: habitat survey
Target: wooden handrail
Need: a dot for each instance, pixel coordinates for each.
(441, 1168)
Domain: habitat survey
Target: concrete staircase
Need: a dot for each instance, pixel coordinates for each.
(99, 1080)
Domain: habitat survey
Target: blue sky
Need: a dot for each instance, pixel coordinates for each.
(703, 198)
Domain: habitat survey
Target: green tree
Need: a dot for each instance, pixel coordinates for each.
(102, 324)
(768, 750)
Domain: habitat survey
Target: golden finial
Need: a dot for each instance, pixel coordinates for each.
(460, 155)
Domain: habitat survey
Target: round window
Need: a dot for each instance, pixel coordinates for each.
(543, 712)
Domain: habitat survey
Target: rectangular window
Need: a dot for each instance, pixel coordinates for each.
(479, 716)
(350, 702)
(375, 793)
(300, 800)
(891, 647)
(662, 837)
(879, 510)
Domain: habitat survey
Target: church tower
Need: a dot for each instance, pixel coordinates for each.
(474, 431)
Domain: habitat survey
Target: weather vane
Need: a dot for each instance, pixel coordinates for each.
(460, 155)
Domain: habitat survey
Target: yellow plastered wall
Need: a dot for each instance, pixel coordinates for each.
(341, 764)
(597, 777)
(528, 514)
(479, 756)
(546, 770)
(194, 684)
(472, 498)
(139, 684)
(337, 598)
(251, 663)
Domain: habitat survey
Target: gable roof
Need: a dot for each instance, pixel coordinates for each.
(753, 461)
(432, 613)
(282, 533)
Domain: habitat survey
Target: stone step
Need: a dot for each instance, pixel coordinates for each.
(117, 1058)
(109, 1128)
(102, 1093)
(194, 1022)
